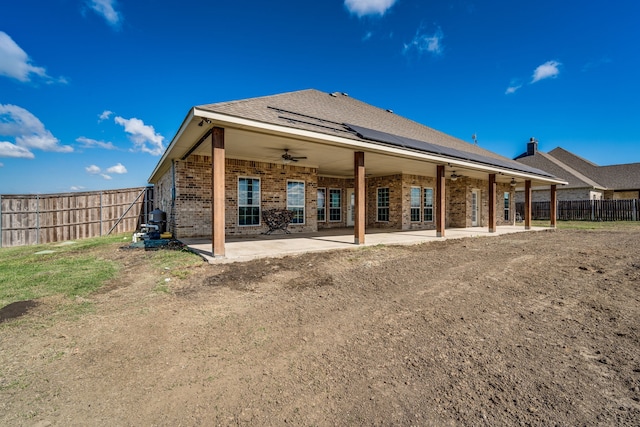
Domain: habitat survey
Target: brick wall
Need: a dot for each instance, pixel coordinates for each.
(343, 185)
(422, 182)
(459, 203)
(625, 195)
(458, 198)
(192, 206)
(193, 194)
(500, 190)
(394, 184)
(273, 192)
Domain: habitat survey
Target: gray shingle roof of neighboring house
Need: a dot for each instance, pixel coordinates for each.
(322, 112)
(581, 173)
(555, 167)
(621, 177)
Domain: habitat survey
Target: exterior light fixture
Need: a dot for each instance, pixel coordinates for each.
(513, 182)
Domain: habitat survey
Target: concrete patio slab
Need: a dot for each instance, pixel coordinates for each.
(273, 246)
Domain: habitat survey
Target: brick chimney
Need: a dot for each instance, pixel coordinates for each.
(532, 146)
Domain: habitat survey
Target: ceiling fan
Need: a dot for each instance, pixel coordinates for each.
(288, 158)
(455, 176)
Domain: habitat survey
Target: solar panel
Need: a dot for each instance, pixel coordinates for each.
(414, 144)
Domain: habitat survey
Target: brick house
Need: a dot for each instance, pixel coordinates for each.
(333, 161)
(585, 180)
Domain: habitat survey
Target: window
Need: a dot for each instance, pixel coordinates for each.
(335, 205)
(383, 204)
(322, 205)
(295, 200)
(428, 205)
(248, 201)
(415, 204)
(506, 206)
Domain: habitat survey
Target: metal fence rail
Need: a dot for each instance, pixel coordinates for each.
(586, 210)
(45, 218)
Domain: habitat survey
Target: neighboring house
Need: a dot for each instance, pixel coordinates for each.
(335, 162)
(586, 180)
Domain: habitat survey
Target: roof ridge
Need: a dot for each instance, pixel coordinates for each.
(255, 98)
(574, 155)
(571, 170)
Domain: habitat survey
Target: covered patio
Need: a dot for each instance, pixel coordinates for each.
(247, 248)
(333, 162)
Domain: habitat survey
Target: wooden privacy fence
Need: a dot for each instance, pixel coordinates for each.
(45, 218)
(586, 210)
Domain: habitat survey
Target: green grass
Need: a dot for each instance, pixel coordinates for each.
(77, 269)
(70, 270)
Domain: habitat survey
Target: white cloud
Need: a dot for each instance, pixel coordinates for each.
(367, 36)
(93, 169)
(9, 149)
(104, 115)
(77, 188)
(93, 143)
(144, 137)
(548, 70)
(513, 87)
(15, 63)
(28, 131)
(105, 176)
(422, 42)
(107, 9)
(368, 7)
(119, 169)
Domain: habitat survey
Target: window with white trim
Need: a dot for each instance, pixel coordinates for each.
(248, 201)
(506, 206)
(322, 205)
(415, 204)
(295, 200)
(383, 204)
(427, 211)
(335, 204)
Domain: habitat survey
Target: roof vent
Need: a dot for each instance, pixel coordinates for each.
(333, 94)
(389, 110)
(344, 93)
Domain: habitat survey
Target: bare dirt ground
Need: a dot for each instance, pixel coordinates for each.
(539, 328)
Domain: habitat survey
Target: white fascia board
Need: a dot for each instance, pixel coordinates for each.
(173, 142)
(242, 123)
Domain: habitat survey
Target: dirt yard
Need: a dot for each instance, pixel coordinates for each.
(539, 328)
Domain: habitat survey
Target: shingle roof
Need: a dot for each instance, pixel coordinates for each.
(580, 172)
(555, 167)
(621, 177)
(329, 113)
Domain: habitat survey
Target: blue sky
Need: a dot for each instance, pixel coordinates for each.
(92, 91)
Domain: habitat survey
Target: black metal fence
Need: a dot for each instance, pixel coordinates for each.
(586, 210)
